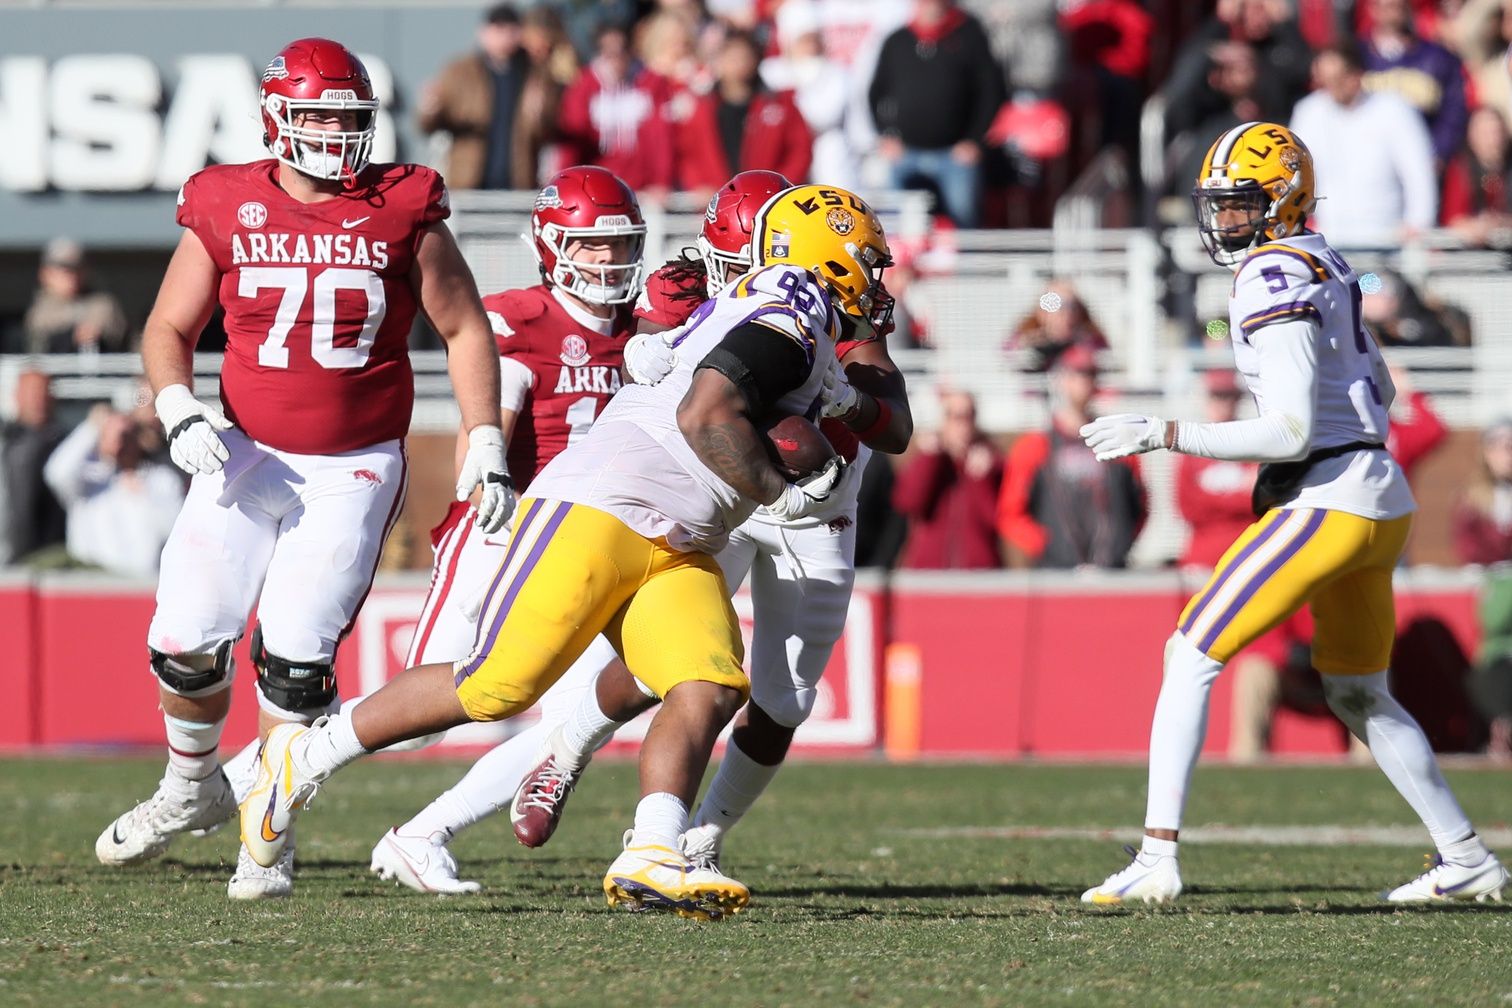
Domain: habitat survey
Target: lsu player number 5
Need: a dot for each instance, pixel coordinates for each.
(1332, 513)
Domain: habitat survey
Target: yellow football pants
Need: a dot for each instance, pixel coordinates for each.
(573, 572)
(1339, 563)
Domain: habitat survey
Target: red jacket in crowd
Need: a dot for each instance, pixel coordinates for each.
(776, 139)
(951, 508)
(618, 127)
(1061, 508)
(1214, 497)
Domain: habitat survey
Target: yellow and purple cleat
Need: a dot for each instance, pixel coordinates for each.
(651, 877)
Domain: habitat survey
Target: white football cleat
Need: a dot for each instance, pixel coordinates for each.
(650, 877)
(1148, 879)
(178, 805)
(701, 845)
(254, 882)
(418, 863)
(1444, 882)
(282, 788)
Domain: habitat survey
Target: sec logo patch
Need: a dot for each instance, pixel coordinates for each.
(574, 350)
(252, 215)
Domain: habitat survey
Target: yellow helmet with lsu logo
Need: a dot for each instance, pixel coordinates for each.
(833, 234)
(1256, 185)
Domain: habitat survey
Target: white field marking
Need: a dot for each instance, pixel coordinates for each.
(1268, 836)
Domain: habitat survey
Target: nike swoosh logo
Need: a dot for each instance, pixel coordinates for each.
(115, 832)
(1439, 890)
(268, 832)
(353, 223)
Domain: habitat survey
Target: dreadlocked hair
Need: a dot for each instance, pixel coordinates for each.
(687, 275)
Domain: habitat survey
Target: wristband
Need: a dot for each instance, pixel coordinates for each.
(877, 426)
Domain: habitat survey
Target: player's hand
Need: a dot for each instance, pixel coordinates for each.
(801, 499)
(840, 398)
(484, 466)
(648, 358)
(193, 429)
(1123, 434)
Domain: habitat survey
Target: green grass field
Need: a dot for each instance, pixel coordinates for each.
(874, 885)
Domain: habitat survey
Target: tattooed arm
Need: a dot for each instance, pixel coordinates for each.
(714, 420)
(735, 387)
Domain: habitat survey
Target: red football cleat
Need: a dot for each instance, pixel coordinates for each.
(541, 799)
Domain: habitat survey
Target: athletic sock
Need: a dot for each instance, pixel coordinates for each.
(1151, 848)
(1470, 851)
(487, 787)
(193, 746)
(1177, 730)
(660, 820)
(328, 748)
(1365, 704)
(586, 728)
(737, 784)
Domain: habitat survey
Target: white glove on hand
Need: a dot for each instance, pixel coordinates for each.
(648, 358)
(484, 465)
(193, 429)
(1123, 434)
(839, 398)
(799, 500)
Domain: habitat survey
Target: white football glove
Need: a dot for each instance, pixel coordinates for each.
(1123, 434)
(484, 465)
(839, 398)
(799, 500)
(648, 358)
(193, 429)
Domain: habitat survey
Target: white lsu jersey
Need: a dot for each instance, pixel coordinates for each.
(1302, 278)
(635, 463)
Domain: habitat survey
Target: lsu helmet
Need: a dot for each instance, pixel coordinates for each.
(725, 239)
(582, 202)
(1262, 169)
(833, 234)
(316, 74)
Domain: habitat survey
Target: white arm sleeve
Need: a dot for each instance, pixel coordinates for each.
(515, 381)
(1283, 430)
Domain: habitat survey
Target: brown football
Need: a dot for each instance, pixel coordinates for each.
(798, 446)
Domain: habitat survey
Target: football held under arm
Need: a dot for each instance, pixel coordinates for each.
(1283, 431)
(737, 384)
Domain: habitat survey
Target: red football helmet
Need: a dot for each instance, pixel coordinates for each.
(585, 202)
(310, 75)
(725, 240)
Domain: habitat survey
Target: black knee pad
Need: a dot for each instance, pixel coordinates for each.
(187, 681)
(293, 686)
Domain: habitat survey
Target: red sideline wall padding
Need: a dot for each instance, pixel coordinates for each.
(1057, 664)
(997, 664)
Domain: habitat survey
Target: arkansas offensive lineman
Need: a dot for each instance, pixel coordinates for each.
(801, 571)
(320, 261)
(561, 345)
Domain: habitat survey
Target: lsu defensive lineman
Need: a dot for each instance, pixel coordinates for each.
(1333, 511)
(800, 573)
(618, 536)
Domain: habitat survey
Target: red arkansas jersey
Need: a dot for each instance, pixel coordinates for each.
(664, 302)
(318, 300)
(574, 369)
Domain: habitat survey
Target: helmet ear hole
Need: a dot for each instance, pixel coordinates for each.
(836, 268)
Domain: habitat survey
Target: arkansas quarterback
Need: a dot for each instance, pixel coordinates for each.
(561, 345)
(320, 261)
